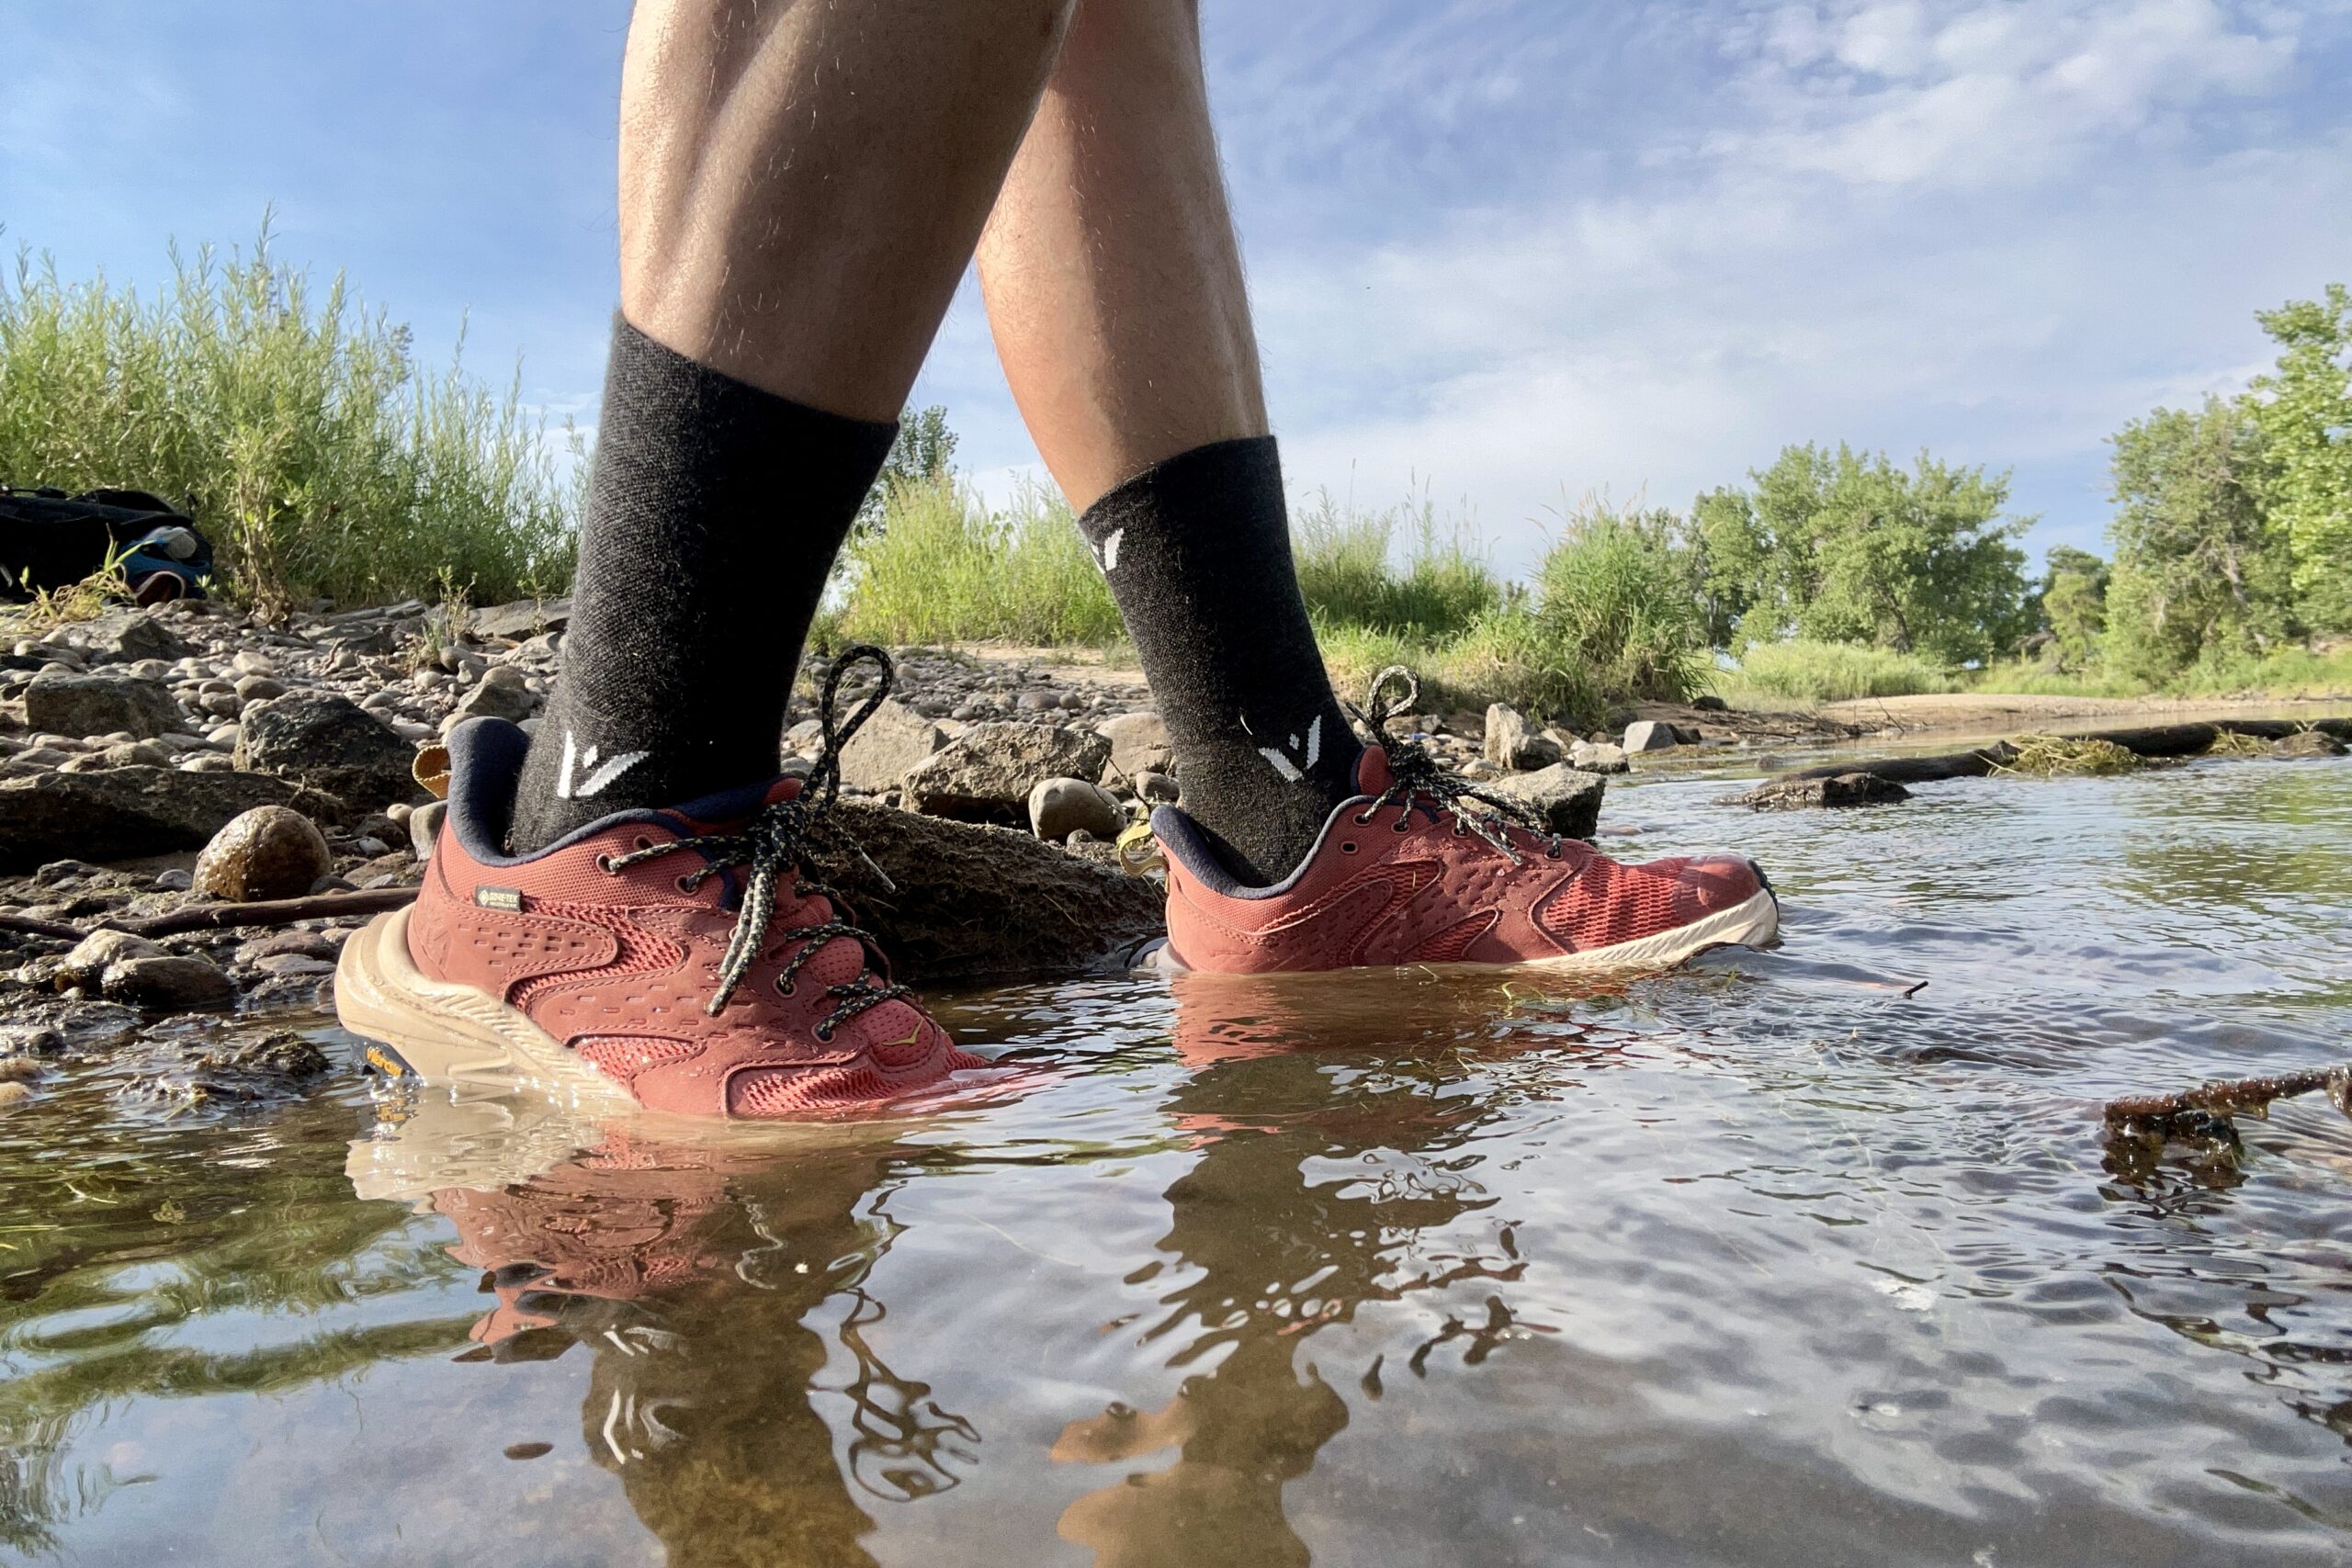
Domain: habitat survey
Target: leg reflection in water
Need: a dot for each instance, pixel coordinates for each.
(1332, 1173)
(688, 1273)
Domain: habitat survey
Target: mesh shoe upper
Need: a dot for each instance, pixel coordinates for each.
(618, 957)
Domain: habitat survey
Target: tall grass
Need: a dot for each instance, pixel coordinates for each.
(942, 568)
(297, 429)
(1612, 603)
(1350, 575)
(1806, 671)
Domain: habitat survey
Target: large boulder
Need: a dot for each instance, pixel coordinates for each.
(986, 774)
(1651, 735)
(978, 903)
(1511, 745)
(267, 852)
(1598, 757)
(1565, 800)
(893, 739)
(122, 635)
(328, 743)
(117, 813)
(101, 705)
(1138, 743)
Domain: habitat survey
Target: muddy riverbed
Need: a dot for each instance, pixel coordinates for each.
(1783, 1259)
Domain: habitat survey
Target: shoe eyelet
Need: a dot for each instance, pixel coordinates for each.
(1363, 819)
(604, 863)
(1348, 847)
(1554, 852)
(1403, 824)
(785, 987)
(643, 843)
(823, 1031)
(685, 884)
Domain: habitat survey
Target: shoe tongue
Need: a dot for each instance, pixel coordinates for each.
(730, 808)
(1373, 775)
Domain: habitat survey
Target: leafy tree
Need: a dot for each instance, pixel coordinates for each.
(2303, 409)
(1728, 556)
(2074, 604)
(922, 453)
(1845, 547)
(2200, 572)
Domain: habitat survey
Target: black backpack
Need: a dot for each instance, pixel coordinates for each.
(51, 540)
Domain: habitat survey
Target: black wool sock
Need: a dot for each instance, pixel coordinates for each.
(714, 514)
(1197, 552)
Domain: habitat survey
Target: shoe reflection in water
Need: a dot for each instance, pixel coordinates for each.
(686, 1272)
(1287, 1071)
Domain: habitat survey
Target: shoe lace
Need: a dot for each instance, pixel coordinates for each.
(784, 836)
(1418, 782)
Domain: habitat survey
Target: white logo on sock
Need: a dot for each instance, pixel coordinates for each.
(1106, 554)
(599, 779)
(1281, 757)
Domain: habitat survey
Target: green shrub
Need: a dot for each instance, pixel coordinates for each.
(944, 568)
(1804, 671)
(299, 429)
(1348, 576)
(1503, 658)
(1615, 607)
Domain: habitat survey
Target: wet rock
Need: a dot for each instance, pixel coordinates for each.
(122, 812)
(1598, 757)
(14, 1094)
(37, 1042)
(2308, 744)
(1567, 801)
(1158, 789)
(101, 705)
(267, 852)
(986, 774)
(1058, 807)
(277, 1064)
(977, 903)
(176, 879)
(522, 618)
(172, 982)
(893, 739)
(1510, 744)
(327, 743)
(1649, 735)
(1138, 743)
(95, 954)
(126, 635)
(1844, 789)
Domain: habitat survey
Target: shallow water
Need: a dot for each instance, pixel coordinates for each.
(1767, 1262)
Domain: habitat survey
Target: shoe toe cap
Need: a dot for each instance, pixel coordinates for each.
(1723, 881)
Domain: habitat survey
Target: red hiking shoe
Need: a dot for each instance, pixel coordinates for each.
(685, 960)
(1421, 868)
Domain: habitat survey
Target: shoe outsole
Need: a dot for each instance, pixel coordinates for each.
(1751, 923)
(452, 1035)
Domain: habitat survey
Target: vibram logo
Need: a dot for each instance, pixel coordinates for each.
(507, 898)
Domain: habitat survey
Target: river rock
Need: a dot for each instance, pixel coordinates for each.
(173, 982)
(986, 774)
(522, 618)
(424, 828)
(1567, 801)
(1843, 789)
(80, 969)
(1510, 744)
(893, 739)
(502, 693)
(121, 812)
(121, 636)
(1138, 743)
(1157, 789)
(327, 743)
(267, 852)
(2308, 744)
(101, 705)
(1650, 735)
(1058, 807)
(979, 903)
(1598, 757)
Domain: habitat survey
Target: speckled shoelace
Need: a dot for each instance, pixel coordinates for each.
(1418, 781)
(781, 837)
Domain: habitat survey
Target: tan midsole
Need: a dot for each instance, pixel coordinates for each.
(1744, 924)
(450, 1033)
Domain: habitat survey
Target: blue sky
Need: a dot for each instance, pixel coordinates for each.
(1509, 250)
